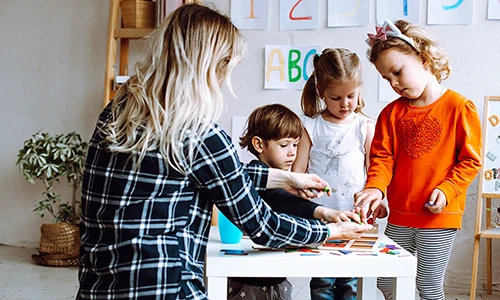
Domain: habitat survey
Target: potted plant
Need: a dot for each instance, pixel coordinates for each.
(48, 158)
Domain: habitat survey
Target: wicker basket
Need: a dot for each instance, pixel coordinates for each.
(59, 245)
(138, 13)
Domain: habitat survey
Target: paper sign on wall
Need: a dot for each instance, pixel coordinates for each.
(348, 13)
(288, 67)
(493, 10)
(250, 14)
(298, 14)
(449, 11)
(398, 10)
(385, 91)
(237, 130)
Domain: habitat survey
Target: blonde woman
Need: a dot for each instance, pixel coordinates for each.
(158, 163)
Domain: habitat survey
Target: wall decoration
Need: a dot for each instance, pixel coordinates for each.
(237, 129)
(385, 91)
(398, 10)
(298, 14)
(288, 67)
(493, 10)
(250, 14)
(449, 11)
(342, 13)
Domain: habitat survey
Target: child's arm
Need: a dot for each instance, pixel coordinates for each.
(468, 161)
(302, 160)
(370, 130)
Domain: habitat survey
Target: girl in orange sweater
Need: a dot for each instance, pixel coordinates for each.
(425, 152)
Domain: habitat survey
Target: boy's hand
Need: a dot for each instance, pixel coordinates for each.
(437, 201)
(334, 216)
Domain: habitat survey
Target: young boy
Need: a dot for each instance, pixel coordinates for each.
(272, 135)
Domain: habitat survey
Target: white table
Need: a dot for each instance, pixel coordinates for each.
(280, 264)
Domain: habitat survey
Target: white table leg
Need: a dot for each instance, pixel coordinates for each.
(404, 288)
(367, 288)
(217, 288)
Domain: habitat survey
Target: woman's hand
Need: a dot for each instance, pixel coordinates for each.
(335, 216)
(347, 230)
(307, 186)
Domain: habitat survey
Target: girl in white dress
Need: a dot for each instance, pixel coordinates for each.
(336, 143)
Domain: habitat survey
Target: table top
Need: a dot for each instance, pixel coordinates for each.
(293, 264)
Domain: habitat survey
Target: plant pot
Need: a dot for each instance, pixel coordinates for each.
(138, 13)
(59, 245)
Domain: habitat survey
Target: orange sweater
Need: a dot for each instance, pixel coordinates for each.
(418, 149)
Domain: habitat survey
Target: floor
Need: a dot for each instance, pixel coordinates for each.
(20, 279)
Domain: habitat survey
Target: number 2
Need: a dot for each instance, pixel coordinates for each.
(290, 15)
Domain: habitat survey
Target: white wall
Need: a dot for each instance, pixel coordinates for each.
(53, 56)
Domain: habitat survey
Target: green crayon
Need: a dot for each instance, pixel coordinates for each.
(327, 189)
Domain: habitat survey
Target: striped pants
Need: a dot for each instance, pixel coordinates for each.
(433, 250)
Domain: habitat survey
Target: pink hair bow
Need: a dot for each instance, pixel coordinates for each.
(380, 35)
(388, 29)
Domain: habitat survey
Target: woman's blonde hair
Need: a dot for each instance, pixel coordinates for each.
(176, 94)
(331, 66)
(431, 52)
(271, 122)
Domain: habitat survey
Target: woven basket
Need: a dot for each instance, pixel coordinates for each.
(59, 245)
(138, 13)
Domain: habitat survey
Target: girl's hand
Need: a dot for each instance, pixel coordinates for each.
(334, 216)
(437, 201)
(369, 195)
(380, 212)
(347, 230)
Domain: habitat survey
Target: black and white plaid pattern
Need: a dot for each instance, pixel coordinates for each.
(145, 228)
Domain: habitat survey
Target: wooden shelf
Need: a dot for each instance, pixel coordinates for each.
(132, 33)
(490, 233)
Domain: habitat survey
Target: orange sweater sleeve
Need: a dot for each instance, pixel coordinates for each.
(469, 147)
(381, 154)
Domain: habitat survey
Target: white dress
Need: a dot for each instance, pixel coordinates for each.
(338, 156)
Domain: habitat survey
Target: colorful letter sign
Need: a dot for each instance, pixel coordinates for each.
(288, 67)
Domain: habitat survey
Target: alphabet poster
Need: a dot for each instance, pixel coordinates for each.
(250, 14)
(288, 67)
(449, 11)
(398, 10)
(298, 14)
(348, 13)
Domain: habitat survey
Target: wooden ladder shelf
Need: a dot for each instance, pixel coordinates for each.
(119, 42)
(488, 188)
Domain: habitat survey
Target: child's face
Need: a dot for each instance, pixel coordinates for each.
(280, 153)
(341, 99)
(405, 72)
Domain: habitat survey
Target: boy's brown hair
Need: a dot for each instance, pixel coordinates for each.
(271, 122)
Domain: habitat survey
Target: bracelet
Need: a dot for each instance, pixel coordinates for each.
(328, 236)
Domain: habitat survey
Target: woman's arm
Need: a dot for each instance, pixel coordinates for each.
(220, 176)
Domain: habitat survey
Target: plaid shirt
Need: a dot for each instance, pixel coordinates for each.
(145, 230)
